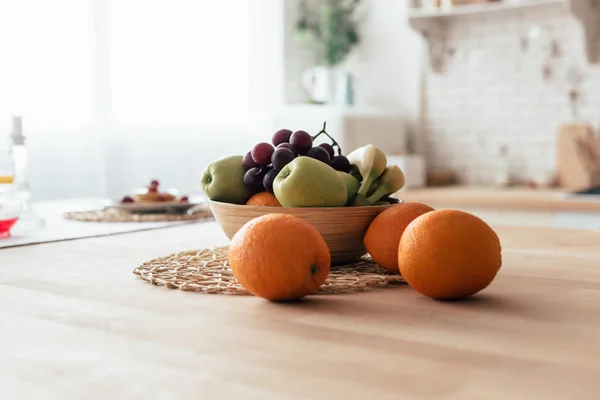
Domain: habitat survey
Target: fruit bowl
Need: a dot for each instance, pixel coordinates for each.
(343, 228)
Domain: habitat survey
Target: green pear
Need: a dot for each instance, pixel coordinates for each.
(389, 182)
(372, 188)
(352, 184)
(354, 171)
(371, 163)
(307, 182)
(223, 180)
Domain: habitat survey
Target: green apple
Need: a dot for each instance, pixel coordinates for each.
(307, 182)
(352, 184)
(223, 180)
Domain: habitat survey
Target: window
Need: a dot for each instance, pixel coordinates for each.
(132, 63)
(46, 62)
(179, 62)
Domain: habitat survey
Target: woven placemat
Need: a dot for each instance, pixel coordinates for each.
(207, 271)
(117, 215)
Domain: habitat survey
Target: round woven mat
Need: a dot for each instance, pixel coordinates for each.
(207, 271)
(116, 215)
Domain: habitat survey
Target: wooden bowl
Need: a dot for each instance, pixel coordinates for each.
(343, 228)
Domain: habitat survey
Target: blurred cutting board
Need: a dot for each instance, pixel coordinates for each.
(578, 157)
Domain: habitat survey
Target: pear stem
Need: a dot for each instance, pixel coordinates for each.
(334, 143)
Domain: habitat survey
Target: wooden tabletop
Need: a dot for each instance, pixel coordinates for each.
(514, 198)
(75, 323)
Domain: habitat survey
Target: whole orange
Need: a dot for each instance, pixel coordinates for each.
(383, 235)
(449, 254)
(263, 199)
(279, 257)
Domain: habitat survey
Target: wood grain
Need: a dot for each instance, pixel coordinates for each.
(538, 200)
(76, 323)
(343, 228)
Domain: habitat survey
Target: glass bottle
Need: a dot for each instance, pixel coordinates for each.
(29, 220)
(10, 204)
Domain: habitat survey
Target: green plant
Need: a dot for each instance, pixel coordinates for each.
(329, 27)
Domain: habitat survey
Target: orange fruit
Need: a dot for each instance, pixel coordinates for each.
(383, 235)
(263, 199)
(279, 257)
(449, 254)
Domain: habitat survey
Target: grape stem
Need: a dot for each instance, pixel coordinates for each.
(334, 143)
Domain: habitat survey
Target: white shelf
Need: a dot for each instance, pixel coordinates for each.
(432, 23)
(469, 9)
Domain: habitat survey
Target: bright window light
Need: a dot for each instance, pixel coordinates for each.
(179, 62)
(165, 63)
(46, 70)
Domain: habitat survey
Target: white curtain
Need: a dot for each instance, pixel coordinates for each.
(114, 93)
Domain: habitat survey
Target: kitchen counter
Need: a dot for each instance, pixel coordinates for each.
(514, 206)
(76, 323)
(538, 200)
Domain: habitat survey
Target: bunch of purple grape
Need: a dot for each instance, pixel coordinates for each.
(264, 162)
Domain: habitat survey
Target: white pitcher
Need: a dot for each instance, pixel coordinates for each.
(320, 83)
(329, 85)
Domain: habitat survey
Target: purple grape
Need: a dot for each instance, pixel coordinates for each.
(281, 157)
(288, 146)
(269, 179)
(261, 153)
(319, 153)
(253, 179)
(281, 136)
(329, 149)
(302, 141)
(248, 162)
(340, 163)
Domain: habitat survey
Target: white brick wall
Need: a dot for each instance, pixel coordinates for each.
(491, 93)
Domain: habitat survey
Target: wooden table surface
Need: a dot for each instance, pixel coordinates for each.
(75, 323)
(512, 198)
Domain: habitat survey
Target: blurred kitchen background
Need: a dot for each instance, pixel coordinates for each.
(484, 96)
